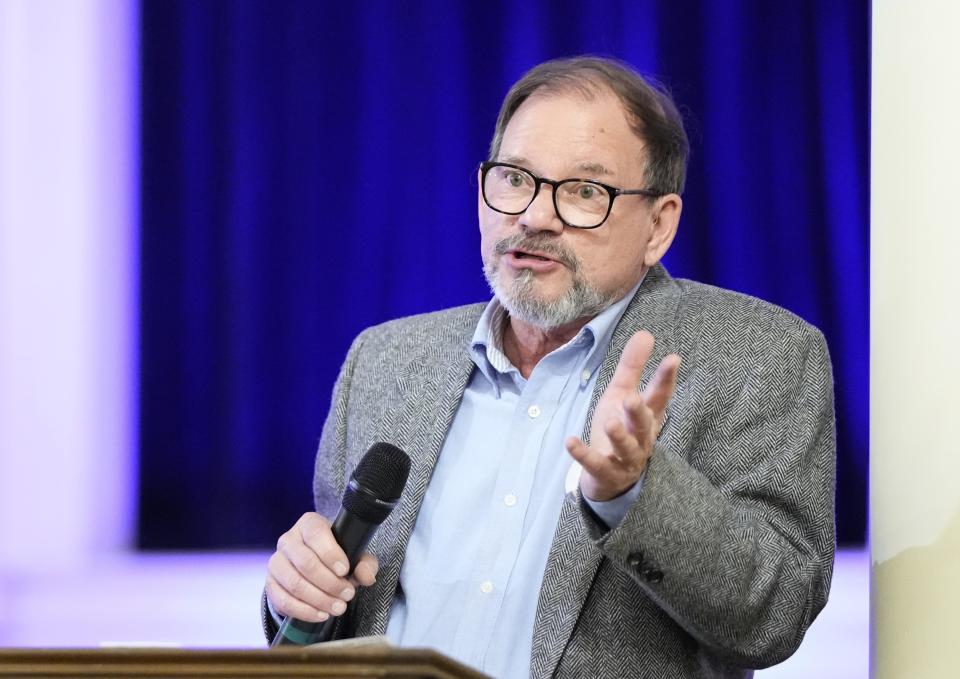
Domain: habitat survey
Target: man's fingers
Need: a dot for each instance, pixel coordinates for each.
(632, 360)
(293, 594)
(663, 384)
(589, 459)
(624, 449)
(287, 605)
(608, 475)
(315, 533)
(638, 418)
(308, 566)
(306, 575)
(625, 440)
(365, 572)
(625, 423)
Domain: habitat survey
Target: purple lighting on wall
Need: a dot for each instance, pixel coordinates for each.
(68, 296)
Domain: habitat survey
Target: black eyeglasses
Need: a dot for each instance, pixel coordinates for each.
(580, 203)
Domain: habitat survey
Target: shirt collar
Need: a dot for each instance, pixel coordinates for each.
(486, 345)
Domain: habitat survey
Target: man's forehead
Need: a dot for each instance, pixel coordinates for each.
(589, 167)
(569, 133)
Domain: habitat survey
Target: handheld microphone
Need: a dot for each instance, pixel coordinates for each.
(371, 494)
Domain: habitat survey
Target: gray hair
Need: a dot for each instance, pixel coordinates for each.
(649, 107)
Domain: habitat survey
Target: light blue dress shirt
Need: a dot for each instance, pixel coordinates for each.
(471, 575)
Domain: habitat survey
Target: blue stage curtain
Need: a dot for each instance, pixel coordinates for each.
(308, 169)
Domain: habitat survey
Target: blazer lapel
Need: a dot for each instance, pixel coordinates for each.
(574, 557)
(429, 390)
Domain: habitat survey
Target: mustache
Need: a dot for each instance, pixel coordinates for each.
(544, 244)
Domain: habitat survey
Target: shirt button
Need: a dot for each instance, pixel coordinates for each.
(510, 500)
(486, 587)
(533, 411)
(585, 375)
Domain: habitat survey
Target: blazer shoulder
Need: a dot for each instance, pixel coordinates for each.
(438, 328)
(727, 312)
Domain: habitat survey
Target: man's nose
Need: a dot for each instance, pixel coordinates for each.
(541, 215)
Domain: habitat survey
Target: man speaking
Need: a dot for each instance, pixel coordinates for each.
(614, 473)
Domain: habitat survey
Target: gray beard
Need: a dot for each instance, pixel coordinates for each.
(520, 297)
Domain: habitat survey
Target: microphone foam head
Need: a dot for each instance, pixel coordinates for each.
(377, 482)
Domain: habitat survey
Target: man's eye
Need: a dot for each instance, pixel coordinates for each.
(515, 179)
(588, 192)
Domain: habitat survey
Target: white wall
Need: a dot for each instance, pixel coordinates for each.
(915, 338)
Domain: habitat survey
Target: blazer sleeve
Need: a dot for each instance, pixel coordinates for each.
(329, 479)
(733, 532)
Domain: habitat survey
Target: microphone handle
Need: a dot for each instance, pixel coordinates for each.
(352, 534)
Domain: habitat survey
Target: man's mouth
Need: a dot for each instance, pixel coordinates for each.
(520, 254)
(539, 254)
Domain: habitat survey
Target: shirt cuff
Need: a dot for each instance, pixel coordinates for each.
(611, 512)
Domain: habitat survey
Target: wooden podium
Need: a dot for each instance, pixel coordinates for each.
(323, 660)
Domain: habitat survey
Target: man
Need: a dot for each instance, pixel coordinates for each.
(614, 473)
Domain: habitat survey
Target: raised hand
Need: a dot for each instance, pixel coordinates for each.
(625, 423)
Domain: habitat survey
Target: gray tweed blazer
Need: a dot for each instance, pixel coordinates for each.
(726, 557)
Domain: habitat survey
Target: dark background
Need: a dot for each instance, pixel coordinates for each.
(308, 170)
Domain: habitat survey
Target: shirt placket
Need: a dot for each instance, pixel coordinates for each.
(491, 578)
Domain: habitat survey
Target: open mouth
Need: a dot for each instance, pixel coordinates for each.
(526, 255)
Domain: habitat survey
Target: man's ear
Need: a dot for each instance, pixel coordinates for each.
(480, 203)
(666, 218)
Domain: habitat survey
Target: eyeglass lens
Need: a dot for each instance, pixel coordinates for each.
(579, 203)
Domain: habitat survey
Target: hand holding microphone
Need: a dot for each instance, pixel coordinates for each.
(308, 576)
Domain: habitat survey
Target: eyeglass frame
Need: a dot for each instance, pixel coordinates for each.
(612, 191)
